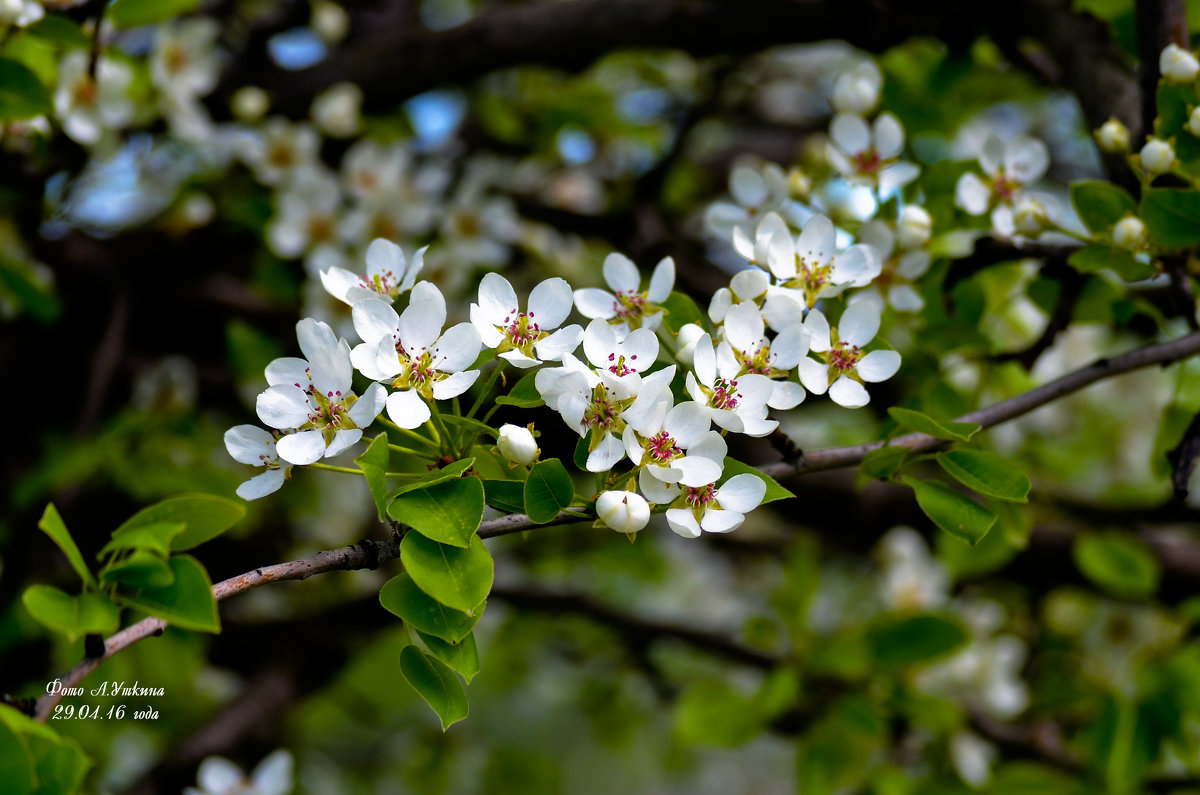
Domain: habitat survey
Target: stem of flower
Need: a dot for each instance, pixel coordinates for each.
(410, 451)
(431, 446)
(487, 389)
(332, 468)
(442, 431)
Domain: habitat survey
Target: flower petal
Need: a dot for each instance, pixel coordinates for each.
(262, 484)
(662, 280)
(859, 323)
(814, 375)
(250, 444)
(374, 318)
(878, 366)
(849, 393)
(849, 133)
(683, 522)
(407, 409)
(593, 302)
(550, 303)
(621, 274)
(454, 385)
(606, 455)
(457, 349)
(343, 440)
(747, 186)
(716, 520)
(282, 406)
(786, 394)
(889, 135)
(305, 447)
(368, 406)
(742, 493)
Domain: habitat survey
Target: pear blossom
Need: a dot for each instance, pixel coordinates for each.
(249, 444)
(717, 509)
(307, 214)
(661, 434)
(912, 578)
(184, 61)
(477, 227)
(218, 776)
(857, 91)
(21, 13)
(592, 404)
(734, 402)
(755, 193)
(411, 351)
(1009, 166)
(747, 352)
(811, 267)
(845, 366)
(275, 150)
(899, 268)
(750, 284)
(389, 274)
(623, 511)
(317, 403)
(1130, 233)
(630, 307)
(330, 21)
(337, 111)
(870, 154)
(1178, 65)
(516, 443)
(249, 103)
(525, 339)
(914, 227)
(87, 106)
(688, 337)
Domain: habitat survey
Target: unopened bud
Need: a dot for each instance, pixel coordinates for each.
(1113, 137)
(330, 21)
(1178, 65)
(623, 511)
(517, 444)
(1030, 217)
(914, 228)
(688, 336)
(857, 91)
(337, 110)
(250, 103)
(1193, 122)
(1157, 157)
(1129, 233)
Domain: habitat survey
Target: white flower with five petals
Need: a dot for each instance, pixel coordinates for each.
(746, 350)
(525, 339)
(250, 444)
(218, 776)
(870, 154)
(845, 366)
(735, 402)
(628, 307)
(389, 274)
(1009, 166)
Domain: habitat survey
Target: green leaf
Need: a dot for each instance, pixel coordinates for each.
(155, 537)
(1120, 564)
(1174, 108)
(60, 30)
(456, 577)
(206, 517)
(401, 597)
(681, 310)
(580, 456)
(142, 569)
(1101, 256)
(897, 641)
(505, 495)
(548, 490)
(17, 769)
(986, 473)
(713, 713)
(374, 463)
(73, 616)
(463, 657)
(524, 394)
(125, 14)
(882, 463)
(958, 515)
(916, 421)
(52, 525)
(187, 603)
(448, 472)
(1172, 216)
(774, 490)
(449, 512)
(435, 682)
(22, 95)
(1101, 204)
(469, 424)
(35, 758)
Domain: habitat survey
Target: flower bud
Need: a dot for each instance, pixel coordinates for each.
(623, 511)
(914, 228)
(1193, 122)
(337, 110)
(249, 103)
(1030, 217)
(1113, 137)
(1157, 157)
(330, 21)
(688, 336)
(1129, 233)
(1178, 65)
(517, 444)
(799, 183)
(857, 91)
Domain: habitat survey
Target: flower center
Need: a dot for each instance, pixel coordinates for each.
(868, 161)
(521, 331)
(1006, 187)
(85, 91)
(383, 283)
(843, 357)
(662, 448)
(618, 366)
(629, 304)
(756, 362)
(724, 394)
(602, 414)
(699, 496)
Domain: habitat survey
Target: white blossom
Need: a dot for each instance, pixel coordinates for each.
(1009, 166)
(525, 339)
(1178, 65)
(845, 365)
(21, 13)
(389, 274)
(516, 443)
(746, 350)
(88, 107)
(755, 193)
(275, 150)
(1157, 157)
(870, 154)
(628, 305)
(811, 267)
(218, 776)
(337, 111)
(249, 444)
(184, 61)
(736, 402)
(623, 511)
(1130, 233)
(1113, 137)
(857, 91)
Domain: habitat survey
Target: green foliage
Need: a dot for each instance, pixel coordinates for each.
(523, 395)
(22, 95)
(374, 463)
(958, 515)
(448, 472)
(774, 491)
(206, 517)
(1172, 216)
(548, 490)
(73, 616)
(681, 310)
(1101, 204)
(505, 495)
(714, 713)
(900, 640)
(1118, 563)
(59, 30)
(916, 421)
(401, 597)
(986, 473)
(156, 537)
(882, 463)
(126, 14)
(1101, 257)
(35, 759)
(456, 577)
(435, 682)
(52, 525)
(140, 569)
(463, 656)
(187, 602)
(448, 511)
